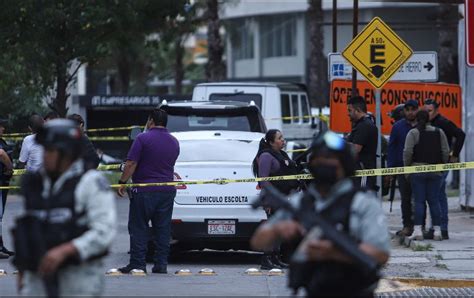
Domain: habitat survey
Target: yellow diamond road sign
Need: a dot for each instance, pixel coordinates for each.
(377, 52)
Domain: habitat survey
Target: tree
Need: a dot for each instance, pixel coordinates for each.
(215, 69)
(20, 92)
(447, 19)
(316, 78)
(135, 21)
(54, 38)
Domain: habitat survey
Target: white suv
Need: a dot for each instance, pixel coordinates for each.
(218, 141)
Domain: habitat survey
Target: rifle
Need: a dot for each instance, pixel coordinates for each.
(317, 227)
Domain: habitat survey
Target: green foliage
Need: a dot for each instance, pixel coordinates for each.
(50, 39)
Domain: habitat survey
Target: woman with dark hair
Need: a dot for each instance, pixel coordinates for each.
(271, 160)
(424, 145)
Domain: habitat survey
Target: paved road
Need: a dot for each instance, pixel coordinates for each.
(230, 267)
(455, 256)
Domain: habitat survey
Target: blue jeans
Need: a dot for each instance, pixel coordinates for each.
(156, 207)
(443, 202)
(425, 188)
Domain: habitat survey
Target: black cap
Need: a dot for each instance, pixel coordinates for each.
(397, 112)
(411, 103)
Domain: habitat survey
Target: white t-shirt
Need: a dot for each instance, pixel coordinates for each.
(31, 153)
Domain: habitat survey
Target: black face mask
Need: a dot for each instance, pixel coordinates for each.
(324, 174)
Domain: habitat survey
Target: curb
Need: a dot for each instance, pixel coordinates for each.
(435, 283)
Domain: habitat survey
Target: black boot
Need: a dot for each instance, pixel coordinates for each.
(267, 264)
(277, 261)
(4, 250)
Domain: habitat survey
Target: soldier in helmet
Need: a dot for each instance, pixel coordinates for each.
(69, 221)
(339, 201)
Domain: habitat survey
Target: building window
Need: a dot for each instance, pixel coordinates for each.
(279, 36)
(242, 40)
(295, 109)
(305, 109)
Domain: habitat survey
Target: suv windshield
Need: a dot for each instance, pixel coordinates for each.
(193, 119)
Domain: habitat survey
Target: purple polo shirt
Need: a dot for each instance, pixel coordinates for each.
(155, 153)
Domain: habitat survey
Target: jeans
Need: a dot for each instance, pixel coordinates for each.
(156, 207)
(425, 188)
(406, 200)
(443, 202)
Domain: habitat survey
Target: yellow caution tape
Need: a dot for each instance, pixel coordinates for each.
(20, 172)
(298, 150)
(108, 167)
(360, 173)
(17, 134)
(416, 169)
(114, 128)
(104, 138)
(14, 139)
(109, 138)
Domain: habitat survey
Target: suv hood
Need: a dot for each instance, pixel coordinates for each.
(218, 135)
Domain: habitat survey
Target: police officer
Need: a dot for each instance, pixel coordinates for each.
(70, 219)
(348, 208)
(6, 170)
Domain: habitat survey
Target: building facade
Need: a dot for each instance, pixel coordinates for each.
(269, 40)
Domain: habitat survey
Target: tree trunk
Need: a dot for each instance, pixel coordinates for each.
(317, 82)
(59, 103)
(178, 66)
(215, 68)
(447, 43)
(123, 67)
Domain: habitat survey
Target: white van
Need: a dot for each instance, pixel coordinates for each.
(275, 100)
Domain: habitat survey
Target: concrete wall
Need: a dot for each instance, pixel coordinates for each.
(412, 23)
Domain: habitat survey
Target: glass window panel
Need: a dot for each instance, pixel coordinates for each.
(285, 107)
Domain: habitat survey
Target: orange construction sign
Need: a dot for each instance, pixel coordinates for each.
(392, 94)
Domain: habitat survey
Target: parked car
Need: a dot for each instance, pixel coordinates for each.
(218, 141)
(284, 106)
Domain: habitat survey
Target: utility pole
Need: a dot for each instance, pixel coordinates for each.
(355, 22)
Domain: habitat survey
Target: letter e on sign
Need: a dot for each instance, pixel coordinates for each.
(377, 53)
(469, 32)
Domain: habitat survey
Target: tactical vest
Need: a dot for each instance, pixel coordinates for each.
(48, 222)
(428, 149)
(287, 167)
(331, 278)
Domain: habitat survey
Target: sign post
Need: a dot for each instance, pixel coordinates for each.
(469, 19)
(377, 52)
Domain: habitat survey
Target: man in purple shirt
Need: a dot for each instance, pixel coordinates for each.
(151, 159)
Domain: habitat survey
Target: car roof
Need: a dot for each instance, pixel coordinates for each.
(282, 85)
(217, 104)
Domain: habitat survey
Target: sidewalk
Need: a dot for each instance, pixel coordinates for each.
(441, 260)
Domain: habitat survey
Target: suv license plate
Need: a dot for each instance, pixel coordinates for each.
(221, 227)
